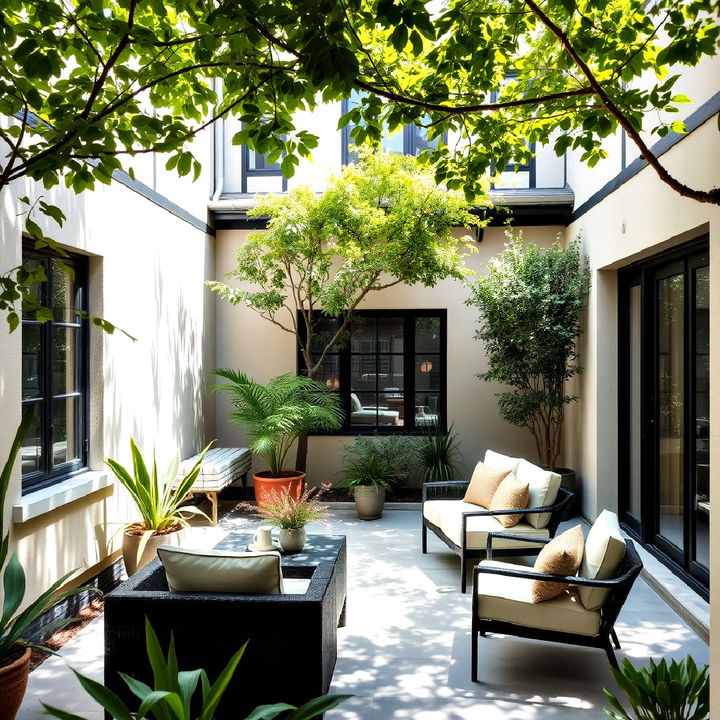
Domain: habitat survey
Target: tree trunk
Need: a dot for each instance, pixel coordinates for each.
(301, 454)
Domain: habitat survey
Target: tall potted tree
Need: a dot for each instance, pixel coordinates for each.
(380, 223)
(274, 416)
(530, 304)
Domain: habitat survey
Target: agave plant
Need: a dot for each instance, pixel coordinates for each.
(679, 691)
(438, 454)
(14, 626)
(276, 414)
(171, 697)
(157, 499)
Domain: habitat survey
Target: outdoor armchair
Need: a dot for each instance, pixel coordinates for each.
(501, 602)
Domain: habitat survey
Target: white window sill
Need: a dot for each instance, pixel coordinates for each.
(43, 501)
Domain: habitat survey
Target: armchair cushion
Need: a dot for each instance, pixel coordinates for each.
(447, 515)
(604, 551)
(512, 494)
(221, 571)
(543, 485)
(561, 556)
(501, 462)
(484, 482)
(509, 599)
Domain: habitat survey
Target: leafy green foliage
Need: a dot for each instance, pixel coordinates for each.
(678, 691)
(157, 499)
(378, 461)
(173, 692)
(438, 453)
(282, 510)
(14, 625)
(276, 414)
(530, 304)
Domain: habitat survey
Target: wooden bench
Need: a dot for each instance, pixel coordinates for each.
(221, 467)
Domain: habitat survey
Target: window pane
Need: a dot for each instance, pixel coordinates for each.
(31, 361)
(427, 372)
(390, 372)
(65, 360)
(31, 451)
(421, 141)
(65, 441)
(394, 402)
(63, 299)
(363, 335)
(35, 289)
(426, 409)
(258, 161)
(390, 335)
(427, 334)
(363, 372)
(329, 373)
(324, 330)
(394, 143)
(366, 410)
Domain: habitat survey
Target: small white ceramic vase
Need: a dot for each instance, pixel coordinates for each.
(292, 541)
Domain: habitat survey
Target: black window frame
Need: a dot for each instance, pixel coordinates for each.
(49, 475)
(409, 391)
(247, 172)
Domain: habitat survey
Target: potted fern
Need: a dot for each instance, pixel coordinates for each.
(275, 416)
(158, 500)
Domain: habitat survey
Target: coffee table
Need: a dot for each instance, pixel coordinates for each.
(292, 639)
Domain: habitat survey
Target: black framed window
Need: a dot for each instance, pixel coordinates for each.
(55, 373)
(255, 164)
(408, 140)
(390, 370)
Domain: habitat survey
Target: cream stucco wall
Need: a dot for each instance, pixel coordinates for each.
(147, 272)
(247, 342)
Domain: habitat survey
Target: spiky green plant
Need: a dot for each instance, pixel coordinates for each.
(679, 691)
(14, 625)
(276, 414)
(171, 697)
(438, 454)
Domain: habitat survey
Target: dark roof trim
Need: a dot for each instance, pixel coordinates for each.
(527, 215)
(693, 122)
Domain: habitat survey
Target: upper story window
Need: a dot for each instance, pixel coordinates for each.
(256, 165)
(409, 140)
(516, 175)
(55, 374)
(390, 373)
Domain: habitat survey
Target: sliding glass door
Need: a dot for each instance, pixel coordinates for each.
(664, 412)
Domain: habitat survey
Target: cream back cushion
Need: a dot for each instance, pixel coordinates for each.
(501, 462)
(542, 490)
(484, 482)
(221, 571)
(604, 551)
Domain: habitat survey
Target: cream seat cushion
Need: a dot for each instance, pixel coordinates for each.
(509, 599)
(447, 515)
(604, 551)
(501, 462)
(543, 487)
(222, 571)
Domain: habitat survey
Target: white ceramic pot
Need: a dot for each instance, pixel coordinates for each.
(131, 543)
(369, 501)
(292, 541)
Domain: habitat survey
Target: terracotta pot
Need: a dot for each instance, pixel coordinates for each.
(13, 683)
(131, 543)
(265, 485)
(369, 501)
(292, 540)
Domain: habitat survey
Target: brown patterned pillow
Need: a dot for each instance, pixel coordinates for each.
(510, 495)
(561, 556)
(483, 484)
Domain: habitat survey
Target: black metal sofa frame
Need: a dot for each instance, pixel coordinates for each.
(556, 510)
(619, 588)
(292, 646)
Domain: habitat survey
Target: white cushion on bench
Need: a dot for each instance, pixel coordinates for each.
(508, 599)
(543, 487)
(217, 461)
(447, 515)
(501, 462)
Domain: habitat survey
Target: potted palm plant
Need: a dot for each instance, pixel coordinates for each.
(274, 416)
(18, 630)
(158, 500)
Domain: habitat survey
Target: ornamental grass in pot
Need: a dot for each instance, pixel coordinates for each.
(291, 515)
(158, 501)
(18, 629)
(275, 416)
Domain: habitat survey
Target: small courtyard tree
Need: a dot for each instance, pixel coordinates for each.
(530, 305)
(378, 224)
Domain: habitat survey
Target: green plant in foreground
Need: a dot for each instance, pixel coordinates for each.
(276, 414)
(157, 499)
(171, 696)
(438, 453)
(679, 691)
(289, 513)
(13, 625)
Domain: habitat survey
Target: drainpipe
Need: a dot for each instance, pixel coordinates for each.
(219, 138)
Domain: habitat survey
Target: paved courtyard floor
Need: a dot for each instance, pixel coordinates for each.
(405, 651)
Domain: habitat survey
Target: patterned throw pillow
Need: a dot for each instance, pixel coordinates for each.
(483, 484)
(561, 556)
(510, 495)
